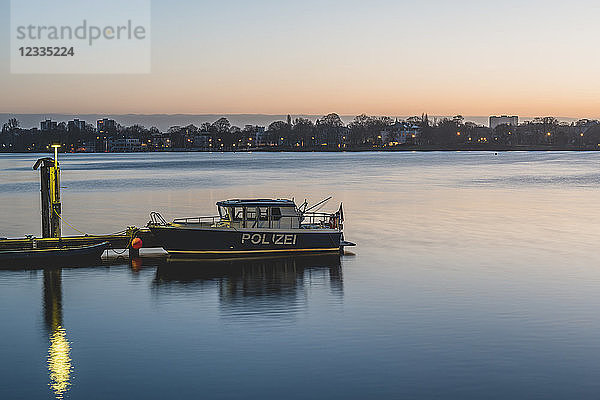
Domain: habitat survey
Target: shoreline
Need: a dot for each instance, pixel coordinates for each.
(360, 149)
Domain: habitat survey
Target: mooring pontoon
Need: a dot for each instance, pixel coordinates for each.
(251, 227)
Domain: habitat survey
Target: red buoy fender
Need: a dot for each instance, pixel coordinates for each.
(136, 244)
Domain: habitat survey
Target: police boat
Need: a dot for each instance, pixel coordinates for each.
(253, 228)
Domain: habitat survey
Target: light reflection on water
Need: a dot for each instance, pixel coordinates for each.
(475, 276)
(59, 362)
(59, 354)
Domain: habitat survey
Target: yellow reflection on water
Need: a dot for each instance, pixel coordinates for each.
(59, 362)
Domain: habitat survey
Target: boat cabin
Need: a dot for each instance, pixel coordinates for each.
(260, 213)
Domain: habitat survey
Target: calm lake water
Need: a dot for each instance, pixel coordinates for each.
(475, 276)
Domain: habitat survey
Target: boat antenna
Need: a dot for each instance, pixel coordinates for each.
(322, 202)
(303, 206)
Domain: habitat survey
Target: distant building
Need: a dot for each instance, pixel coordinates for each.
(86, 147)
(503, 120)
(259, 136)
(48, 125)
(400, 133)
(76, 124)
(160, 142)
(203, 141)
(104, 126)
(125, 145)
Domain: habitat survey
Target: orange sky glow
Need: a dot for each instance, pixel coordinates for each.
(346, 57)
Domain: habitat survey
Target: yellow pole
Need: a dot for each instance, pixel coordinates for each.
(55, 220)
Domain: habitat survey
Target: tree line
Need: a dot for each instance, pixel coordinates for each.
(329, 132)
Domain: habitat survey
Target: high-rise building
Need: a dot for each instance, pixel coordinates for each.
(503, 120)
(76, 124)
(104, 126)
(48, 125)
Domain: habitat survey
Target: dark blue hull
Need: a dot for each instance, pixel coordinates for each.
(12, 258)
(206, 242)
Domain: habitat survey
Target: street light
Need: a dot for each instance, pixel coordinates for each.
(55, 147)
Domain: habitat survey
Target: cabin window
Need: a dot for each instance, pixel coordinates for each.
(263, 213)
(250, 217)
(238, 212)
(276, 213)
(225, 213)
(260, 217)
(251, 214)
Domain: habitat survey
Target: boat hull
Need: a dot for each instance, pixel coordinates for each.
(55, 256)
(204, 242)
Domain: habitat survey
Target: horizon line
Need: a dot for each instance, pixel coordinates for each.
(296, 114)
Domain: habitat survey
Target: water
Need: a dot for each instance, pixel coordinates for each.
(475, 276)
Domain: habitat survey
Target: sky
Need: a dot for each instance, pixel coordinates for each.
(377, 57)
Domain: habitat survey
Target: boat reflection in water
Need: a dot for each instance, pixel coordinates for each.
(254, 288)
(59, 358)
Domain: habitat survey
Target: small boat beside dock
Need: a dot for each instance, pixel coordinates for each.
(52, 256)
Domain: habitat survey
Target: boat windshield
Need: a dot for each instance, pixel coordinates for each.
(260, 217)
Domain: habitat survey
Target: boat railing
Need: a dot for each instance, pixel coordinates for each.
(198, 220)
(317, 218)
(156, 219)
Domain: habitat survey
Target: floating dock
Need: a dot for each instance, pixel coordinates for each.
(118, 241)
(132, 238)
